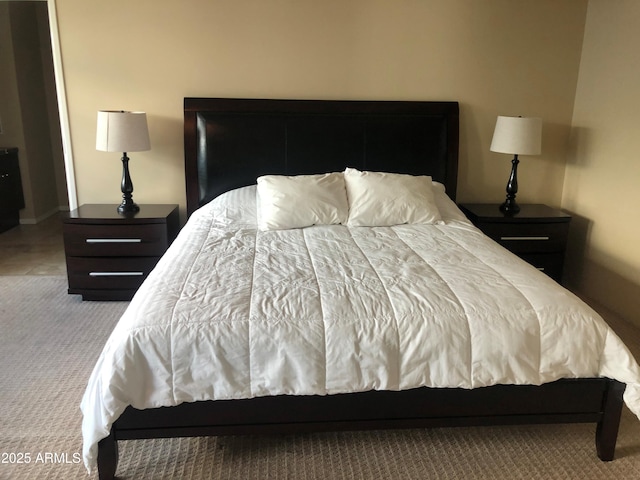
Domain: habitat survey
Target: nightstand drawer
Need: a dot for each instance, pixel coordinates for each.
(108, 272)
(115, 240)
(529, 237)
(549, 263)
(537, 233)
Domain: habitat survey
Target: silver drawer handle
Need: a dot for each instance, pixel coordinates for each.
(524, 238)
(113, 240)
(116, 274)
(540, 268)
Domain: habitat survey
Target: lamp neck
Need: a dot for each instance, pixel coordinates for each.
(127, 205)
(510, 205)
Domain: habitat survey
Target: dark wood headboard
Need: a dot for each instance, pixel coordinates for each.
(230, 142)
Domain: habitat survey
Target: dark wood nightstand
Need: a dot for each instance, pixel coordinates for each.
(537, 234)
(108, 254)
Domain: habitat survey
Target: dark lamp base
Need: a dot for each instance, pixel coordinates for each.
(510, 207)
(125, 208)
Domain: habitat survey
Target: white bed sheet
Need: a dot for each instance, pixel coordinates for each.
(233, 312)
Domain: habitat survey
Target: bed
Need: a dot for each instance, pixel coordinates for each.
(338, 327)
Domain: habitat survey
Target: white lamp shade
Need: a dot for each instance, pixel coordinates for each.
(517, 135)
(120, 131)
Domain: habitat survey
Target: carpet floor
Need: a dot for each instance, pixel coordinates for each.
(50, 341)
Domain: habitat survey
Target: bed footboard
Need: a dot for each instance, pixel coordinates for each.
(566, 401)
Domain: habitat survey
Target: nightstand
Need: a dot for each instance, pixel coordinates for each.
(109, 255)
(537, 234)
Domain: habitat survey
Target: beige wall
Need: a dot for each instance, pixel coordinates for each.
(603, 169)
(10, 111)
(496, 57)
(28, 107)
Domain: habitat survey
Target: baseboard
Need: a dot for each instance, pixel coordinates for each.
(44, 216)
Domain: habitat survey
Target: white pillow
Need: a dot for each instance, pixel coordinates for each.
(301, 201)
(378, 199)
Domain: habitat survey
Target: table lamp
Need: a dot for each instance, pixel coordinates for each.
(518, 136)
(122, 131)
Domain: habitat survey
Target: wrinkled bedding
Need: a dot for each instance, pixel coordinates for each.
(233, 312)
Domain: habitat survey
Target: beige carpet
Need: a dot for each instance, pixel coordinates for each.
(50, 340)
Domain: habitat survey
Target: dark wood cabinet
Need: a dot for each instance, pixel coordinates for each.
(109, 255)
(11, 195)
(537, 234)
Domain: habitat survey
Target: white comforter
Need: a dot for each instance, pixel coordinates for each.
(233, 312)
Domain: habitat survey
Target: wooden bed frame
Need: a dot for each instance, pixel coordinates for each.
(228, 143)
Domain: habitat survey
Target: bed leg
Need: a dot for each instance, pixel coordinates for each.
(607, 430)
(107, 457)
